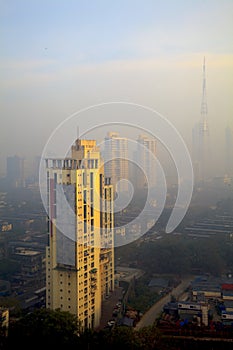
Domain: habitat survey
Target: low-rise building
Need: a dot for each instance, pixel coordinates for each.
(206, 287)
(228, 305)
(32, 266)
(4, 321)
(5, 226)
(227, 318)
(227, 291)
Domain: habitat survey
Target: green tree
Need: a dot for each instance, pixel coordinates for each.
(122, 338)
(45, 327)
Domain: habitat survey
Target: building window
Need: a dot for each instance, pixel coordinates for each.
(85, 196)
(85, 226)
(91, 180)
(85, 212)
(92, 195)
(84, 179)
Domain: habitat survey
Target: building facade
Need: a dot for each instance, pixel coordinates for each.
(229, 152)
(32, 267)
(117, 164)
(80, 255)
(15, 172)
(145, 156)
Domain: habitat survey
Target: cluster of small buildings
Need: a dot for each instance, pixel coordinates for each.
(219, 291)
(28, 271)
(209, 303)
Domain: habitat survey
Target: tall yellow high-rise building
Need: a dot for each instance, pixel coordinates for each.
(80, 255)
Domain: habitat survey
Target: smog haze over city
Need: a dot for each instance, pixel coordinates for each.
(59, 57)
(116, 174)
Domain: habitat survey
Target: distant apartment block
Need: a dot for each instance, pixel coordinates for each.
(15, 172)
(229, 151)
(116, 161)
(145, 156)
(32, 267)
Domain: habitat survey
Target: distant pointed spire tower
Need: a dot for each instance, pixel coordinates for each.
(201, 152)
(204, 109)
(204, 132)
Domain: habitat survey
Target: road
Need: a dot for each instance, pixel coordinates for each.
(108, 306)
(150, 316)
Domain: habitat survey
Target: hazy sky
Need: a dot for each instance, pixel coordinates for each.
(60, 56)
